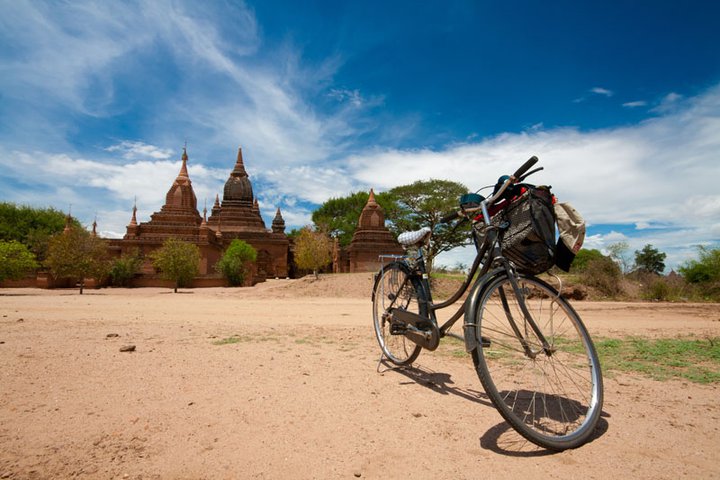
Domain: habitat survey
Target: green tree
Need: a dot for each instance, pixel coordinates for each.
(339, 216)
(705, 269)
(124, 268)
(15, 260)
(177, 261)
(78, 255)
(30, 226)
(312, 250)
(650, 259)
(424, 203)
(234, 262)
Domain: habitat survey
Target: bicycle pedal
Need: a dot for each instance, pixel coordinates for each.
(485, 341)
(397, 328)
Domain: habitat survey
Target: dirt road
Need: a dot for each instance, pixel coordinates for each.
(282, 381)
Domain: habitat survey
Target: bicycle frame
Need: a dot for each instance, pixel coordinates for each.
(484, 245)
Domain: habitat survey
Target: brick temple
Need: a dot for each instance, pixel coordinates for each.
(370, 240)
(236, 217)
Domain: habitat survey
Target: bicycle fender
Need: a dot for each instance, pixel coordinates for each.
(471, 308)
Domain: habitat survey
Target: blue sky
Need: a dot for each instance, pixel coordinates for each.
(620, 100)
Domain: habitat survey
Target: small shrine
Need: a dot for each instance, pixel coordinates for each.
(370, 240)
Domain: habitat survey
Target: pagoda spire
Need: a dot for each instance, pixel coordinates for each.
(94, 227)
(371, 199)
(183, 175)
(133, 220)
(239, 170)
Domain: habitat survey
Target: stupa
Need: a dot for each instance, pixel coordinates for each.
(370, 240)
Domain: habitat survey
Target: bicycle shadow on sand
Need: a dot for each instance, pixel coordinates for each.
(437, 381)
(501, 438)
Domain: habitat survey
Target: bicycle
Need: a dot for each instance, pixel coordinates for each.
(531, 351)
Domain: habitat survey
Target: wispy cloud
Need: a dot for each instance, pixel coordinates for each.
(135, 150)
(602, 91)
(635, 104)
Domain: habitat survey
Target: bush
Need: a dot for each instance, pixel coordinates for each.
(583, 257)
(604, 275)
(233, 264)
(15, 260)
(704, 273)
(124, 269)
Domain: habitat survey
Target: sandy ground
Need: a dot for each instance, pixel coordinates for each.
(297, 392)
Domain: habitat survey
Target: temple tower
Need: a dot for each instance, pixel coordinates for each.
(371, 239)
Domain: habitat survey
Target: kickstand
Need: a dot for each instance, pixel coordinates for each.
(382, 361)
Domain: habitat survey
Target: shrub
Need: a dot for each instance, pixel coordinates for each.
(604, 275)
(233, 264)
(15, 260)
(124, 269)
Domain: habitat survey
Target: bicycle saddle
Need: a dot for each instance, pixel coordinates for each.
(413, 238)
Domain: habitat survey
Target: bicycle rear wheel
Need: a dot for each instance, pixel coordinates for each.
(394, 288)
(552, 397)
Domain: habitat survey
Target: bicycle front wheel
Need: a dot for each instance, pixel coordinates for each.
(552, 395)
(395, 288)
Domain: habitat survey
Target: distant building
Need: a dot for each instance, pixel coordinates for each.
(237, 216)
(370, 240)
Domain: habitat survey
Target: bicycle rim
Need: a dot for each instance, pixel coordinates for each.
(393, 289)
(551, 397)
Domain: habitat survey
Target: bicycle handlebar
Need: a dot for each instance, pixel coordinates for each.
(525, 167)
(515, 177)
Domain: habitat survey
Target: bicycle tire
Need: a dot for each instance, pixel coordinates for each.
(552, 399)
(395, 287)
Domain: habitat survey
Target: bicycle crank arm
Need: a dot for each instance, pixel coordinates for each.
(418, 329)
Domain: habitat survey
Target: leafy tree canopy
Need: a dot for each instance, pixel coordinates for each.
(312, 250)
(15, 260)
(705, 269)
(30, 226)
(408, 207)
(233, 264)
(177, 261)
(79, 255)
(338, 217)
(424, 203)
(650, 259)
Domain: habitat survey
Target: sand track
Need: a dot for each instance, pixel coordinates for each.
(282, 381)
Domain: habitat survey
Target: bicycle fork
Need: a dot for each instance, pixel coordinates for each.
(527, 319)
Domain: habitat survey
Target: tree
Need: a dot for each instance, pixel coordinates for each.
(177, 261)
(78, 255)
(650, 259)
(233, 264)
(312, 250)
(15, 260)
(124, 268)
(618, 252)
(424, 203)
(339, 216)
(704, 270)
(32, 227)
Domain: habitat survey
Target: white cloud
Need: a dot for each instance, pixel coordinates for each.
(139, 150)
(635, 104)
(602, 91)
